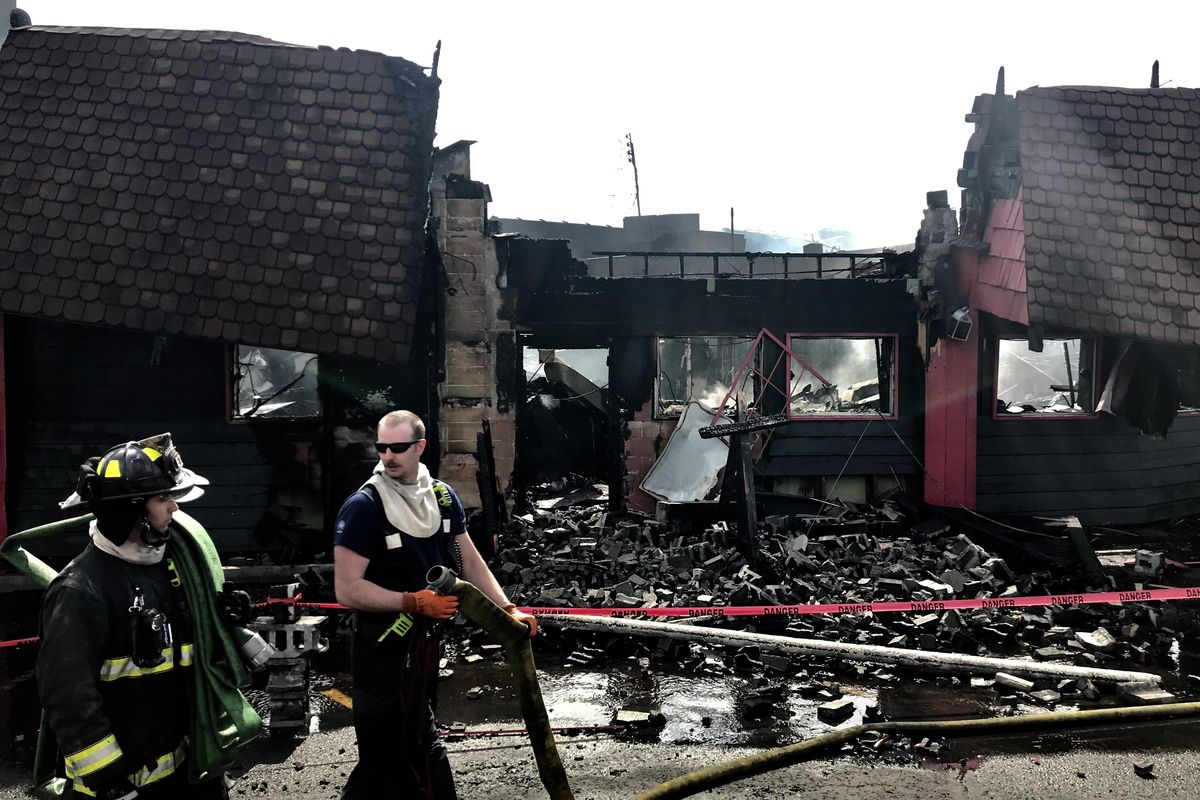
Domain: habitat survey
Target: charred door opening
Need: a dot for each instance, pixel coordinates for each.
(563, 425)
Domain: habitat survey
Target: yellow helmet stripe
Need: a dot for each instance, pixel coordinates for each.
(112, 469)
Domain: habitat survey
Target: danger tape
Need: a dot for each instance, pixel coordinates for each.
(18, 642)
(916, 606)
(298, 603)
(902, 607)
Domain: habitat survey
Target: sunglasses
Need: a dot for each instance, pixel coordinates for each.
(395, 447)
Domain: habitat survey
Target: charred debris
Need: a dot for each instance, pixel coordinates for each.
(571, 551)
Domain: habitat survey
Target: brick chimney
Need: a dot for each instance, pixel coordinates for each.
(11, 17)
(939, 229)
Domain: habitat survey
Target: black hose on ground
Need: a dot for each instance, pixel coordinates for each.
(513, 636)
(738, 768)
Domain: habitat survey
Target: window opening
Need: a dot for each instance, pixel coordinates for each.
(274, 384)
(699, 368)
(1058, 380)
(842, 375)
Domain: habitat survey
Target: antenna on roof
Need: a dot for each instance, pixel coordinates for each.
(1154, 75)
(437, 56)
(1000, 82)
(637, 190)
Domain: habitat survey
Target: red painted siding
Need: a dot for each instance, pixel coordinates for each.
(951, 406)
(1000, 284)
(950, 423)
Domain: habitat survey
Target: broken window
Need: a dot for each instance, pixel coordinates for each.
(699, 368)
(842, 375)
(279, 384)
(1057, 380)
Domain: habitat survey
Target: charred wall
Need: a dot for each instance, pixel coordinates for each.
(1100, 469)
(76, 390)
(549, 294)
(1097, 467)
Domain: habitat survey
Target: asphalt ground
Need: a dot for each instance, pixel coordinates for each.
(1093, 765)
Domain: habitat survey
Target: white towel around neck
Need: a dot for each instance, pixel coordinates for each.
(410, 507)
(131, 552)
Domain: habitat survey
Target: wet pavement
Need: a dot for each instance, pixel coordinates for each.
(713, 718)
(315, 767)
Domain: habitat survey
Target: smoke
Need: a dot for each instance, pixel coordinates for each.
(840, 361)
(763, 242)
(836, 239)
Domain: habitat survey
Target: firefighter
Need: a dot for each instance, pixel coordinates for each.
(114, 668)
(387, 536)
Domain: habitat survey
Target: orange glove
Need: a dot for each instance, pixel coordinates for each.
(437, 606)
(520, 616)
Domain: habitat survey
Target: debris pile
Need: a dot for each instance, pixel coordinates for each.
(579, 555)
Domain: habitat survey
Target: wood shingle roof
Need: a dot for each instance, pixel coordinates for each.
(1111, 199)
(214, 184)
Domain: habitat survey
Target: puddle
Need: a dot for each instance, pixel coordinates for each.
(698, 709)
(706, 709)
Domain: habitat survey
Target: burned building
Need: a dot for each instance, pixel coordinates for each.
(217, 235)
(1062, 319)
(674, 329)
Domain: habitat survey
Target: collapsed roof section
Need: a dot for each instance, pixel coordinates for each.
(216, 185)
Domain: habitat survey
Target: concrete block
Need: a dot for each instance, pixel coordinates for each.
(1046, 697)
(1051, 653)
(1013, 682)
(1099, 640)
(836, 711)
(1145, 693)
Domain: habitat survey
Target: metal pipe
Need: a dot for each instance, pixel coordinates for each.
(921, 659)
(729, 771)
(513, 636)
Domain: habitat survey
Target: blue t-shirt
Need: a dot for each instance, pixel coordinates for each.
(362, 527)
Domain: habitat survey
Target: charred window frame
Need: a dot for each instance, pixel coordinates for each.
(268, 383)
(1059, 381)
(1189, 383)
(698, 368)
(859, 371)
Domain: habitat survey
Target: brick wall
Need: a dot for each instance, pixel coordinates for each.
(468, 395)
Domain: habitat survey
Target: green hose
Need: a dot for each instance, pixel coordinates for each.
(45, 757)
(513, 636)
(738, 768)
(13, 548)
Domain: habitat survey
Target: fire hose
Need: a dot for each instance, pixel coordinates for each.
(513, 636)
(821, 648)
(736, 769)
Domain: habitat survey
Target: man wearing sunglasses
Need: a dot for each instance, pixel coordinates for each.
(387, 536)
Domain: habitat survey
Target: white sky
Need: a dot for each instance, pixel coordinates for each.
(800, 115)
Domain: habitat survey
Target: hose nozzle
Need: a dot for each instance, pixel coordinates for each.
(441, 579)
(255, 650)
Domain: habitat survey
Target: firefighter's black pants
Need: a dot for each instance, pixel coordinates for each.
(395, 692)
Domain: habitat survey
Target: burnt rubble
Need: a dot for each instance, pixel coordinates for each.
(579, 555)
